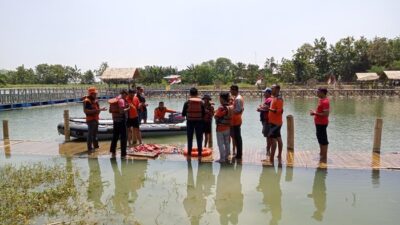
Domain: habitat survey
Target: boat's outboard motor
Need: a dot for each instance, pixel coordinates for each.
(176, 118)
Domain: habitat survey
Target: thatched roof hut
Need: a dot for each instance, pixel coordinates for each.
(367, 76)
(120, 75)
(392, 75)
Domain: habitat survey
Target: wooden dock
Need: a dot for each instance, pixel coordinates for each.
(305, 159)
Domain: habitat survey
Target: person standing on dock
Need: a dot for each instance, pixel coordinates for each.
(238, 108)
(275, 123)
(263, 109)
(209, 110)
(92, 111)
(194, 111)
(119, 108)
(223, 117)
(133, 118)
(321, 120)
(143, 105)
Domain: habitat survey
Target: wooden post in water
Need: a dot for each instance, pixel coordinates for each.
(66, 125)
(290, 133)
(6, 135)
(378, 135)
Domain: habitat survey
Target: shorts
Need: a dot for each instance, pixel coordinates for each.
(274, 131)
(265, 128)
(142, 116)
(133, 122)
(322, 135)
(207, 127)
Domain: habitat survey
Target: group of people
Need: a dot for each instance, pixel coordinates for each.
(199, 114)
(129, 109)
(271, 118)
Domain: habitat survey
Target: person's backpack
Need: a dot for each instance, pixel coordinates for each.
(114, 107)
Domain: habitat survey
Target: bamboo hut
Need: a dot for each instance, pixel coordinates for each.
(120, 75)
(393, 77)
(367, 78)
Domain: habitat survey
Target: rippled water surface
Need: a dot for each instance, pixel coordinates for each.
(166, 192)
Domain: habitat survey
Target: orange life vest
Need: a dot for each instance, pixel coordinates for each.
(194, 109)
(227, 118)
(95, 105)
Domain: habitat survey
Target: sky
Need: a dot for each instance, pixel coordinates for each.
(177, 33)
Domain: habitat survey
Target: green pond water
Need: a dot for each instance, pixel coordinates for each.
(351, 126)
(168, 192)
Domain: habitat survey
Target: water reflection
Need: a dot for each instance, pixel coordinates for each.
(95, 188)
(127, 182)
(375, 165)
(319, 193)
(270, 186)
(195, 202)
(229, 197)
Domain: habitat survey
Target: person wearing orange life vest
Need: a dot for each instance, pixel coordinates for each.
(238, 108)
(160, 111)
(194, 111)
(92, 110)
(133, 118)
(223, 117)
(275, 123)
(119, 116)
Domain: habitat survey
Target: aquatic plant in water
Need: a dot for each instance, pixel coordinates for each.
(30, 190)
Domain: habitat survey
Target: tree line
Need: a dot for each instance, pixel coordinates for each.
(316, 60)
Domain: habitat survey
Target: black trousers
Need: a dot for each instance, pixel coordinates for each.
(196, 127)
(119, 131)
(239, 143)
(92, 142)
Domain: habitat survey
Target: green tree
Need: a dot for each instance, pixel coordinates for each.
(321, 58)
(238, 72)
(380, 52)
(252, 73)
(88, 77)
(74, 74)
(303, 65)
(287, 70)
(343, 58)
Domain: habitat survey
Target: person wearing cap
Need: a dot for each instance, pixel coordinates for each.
(275, 121)
(92, 111)
(119, 117)
(263, 109)
(160, 111)
(321, 120)
(209, 113)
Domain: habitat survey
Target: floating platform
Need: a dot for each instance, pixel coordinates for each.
(305, 159)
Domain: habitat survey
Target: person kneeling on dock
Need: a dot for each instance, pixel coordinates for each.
(92, 110)
(119, 108)
(194, 111)
(321, 120)
(159, 113)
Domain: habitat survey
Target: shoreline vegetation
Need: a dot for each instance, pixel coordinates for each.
(317, 60)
